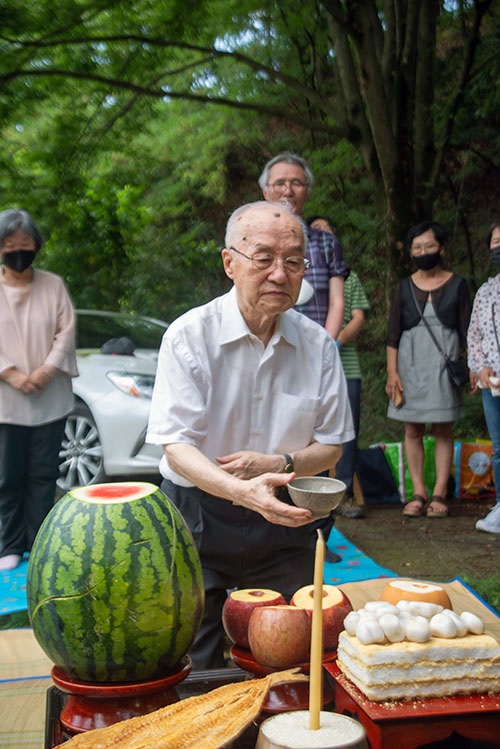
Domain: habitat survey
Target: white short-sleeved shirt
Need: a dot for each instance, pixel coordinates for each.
(218, 388)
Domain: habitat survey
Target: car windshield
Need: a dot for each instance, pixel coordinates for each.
(93, 330)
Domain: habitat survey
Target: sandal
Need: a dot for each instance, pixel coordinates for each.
(438, 507)
(415, 507)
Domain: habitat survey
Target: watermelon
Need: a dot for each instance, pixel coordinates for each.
(114, 585)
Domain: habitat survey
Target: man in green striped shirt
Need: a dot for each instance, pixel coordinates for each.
(355, 308)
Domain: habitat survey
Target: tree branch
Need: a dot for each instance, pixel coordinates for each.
(209, 52)
(161, 93)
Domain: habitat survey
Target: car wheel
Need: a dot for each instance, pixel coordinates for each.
(80, 457)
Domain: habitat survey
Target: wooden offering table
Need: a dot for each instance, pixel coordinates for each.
(412, 723)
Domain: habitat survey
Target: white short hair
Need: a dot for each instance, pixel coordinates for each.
(233, 228)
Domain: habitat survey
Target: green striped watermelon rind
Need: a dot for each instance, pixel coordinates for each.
(115, 587)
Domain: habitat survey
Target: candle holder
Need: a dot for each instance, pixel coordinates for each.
(98, 705)
(291, 730)
(288, 695)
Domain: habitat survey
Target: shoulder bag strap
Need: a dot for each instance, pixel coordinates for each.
(445, 357)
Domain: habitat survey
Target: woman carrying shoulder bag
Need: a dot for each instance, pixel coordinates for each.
(428, 323)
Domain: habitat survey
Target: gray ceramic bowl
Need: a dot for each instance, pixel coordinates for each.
(319, 494)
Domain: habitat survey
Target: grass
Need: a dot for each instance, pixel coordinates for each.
(15, 621)
(488, 588)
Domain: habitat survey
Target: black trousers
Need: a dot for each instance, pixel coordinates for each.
(240, 549)
(347, 464)
(29, 468)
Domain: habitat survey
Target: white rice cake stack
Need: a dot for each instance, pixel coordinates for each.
(440, 667)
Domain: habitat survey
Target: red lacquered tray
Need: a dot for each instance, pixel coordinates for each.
(97, 705)
(287, 696)
(244, 659)
(463, 703)
(411, 723)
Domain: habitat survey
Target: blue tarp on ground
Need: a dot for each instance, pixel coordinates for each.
(13, 589)
(354, 564)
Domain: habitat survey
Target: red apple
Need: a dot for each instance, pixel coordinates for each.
(335, 606)
(279, 636)
(238, 607)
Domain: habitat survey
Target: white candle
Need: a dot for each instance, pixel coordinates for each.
(316, 663)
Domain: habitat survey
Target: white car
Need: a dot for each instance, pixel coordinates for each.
(105, 433)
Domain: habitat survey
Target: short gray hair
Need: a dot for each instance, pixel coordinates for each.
(264, 205)
(287, 157)
(13, 220)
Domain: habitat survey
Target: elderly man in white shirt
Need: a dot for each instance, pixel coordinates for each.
(248, 395)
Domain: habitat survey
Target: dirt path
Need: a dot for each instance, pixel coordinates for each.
(434, 549)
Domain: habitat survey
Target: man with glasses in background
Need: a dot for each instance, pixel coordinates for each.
(287, 178)
(248, 395)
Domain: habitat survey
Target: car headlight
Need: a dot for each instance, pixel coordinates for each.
(136, 385)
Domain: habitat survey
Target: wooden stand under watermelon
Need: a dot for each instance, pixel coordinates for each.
(97, 705)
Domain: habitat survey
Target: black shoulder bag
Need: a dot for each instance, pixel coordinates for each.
(457, 370)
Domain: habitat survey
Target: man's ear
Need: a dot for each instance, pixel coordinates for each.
(227, 262)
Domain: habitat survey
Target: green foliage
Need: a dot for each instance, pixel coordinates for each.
(488, 588)
(132, 180)
(188, 199)
(14, 621)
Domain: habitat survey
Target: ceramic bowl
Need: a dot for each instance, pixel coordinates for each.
(306, 292)
(319, 494)
(291, 731)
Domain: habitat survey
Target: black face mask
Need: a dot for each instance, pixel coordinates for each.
(495, 256)
(19, 260)
(427, 262)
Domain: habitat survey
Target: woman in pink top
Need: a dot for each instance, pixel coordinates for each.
(37, 362)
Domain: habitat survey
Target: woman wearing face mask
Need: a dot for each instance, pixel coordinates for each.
(484, 360)
(37, 361)
(418, 384)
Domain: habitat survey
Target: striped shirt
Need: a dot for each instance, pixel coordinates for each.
(325, 253)
(354, 298)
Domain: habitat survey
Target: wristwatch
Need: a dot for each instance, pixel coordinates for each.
(289, 466)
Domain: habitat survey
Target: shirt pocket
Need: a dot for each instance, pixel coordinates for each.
(292, 421)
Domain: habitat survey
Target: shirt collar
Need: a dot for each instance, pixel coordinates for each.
(233, 326)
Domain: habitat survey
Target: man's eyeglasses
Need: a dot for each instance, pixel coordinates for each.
(264, 261)
(292, 184)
